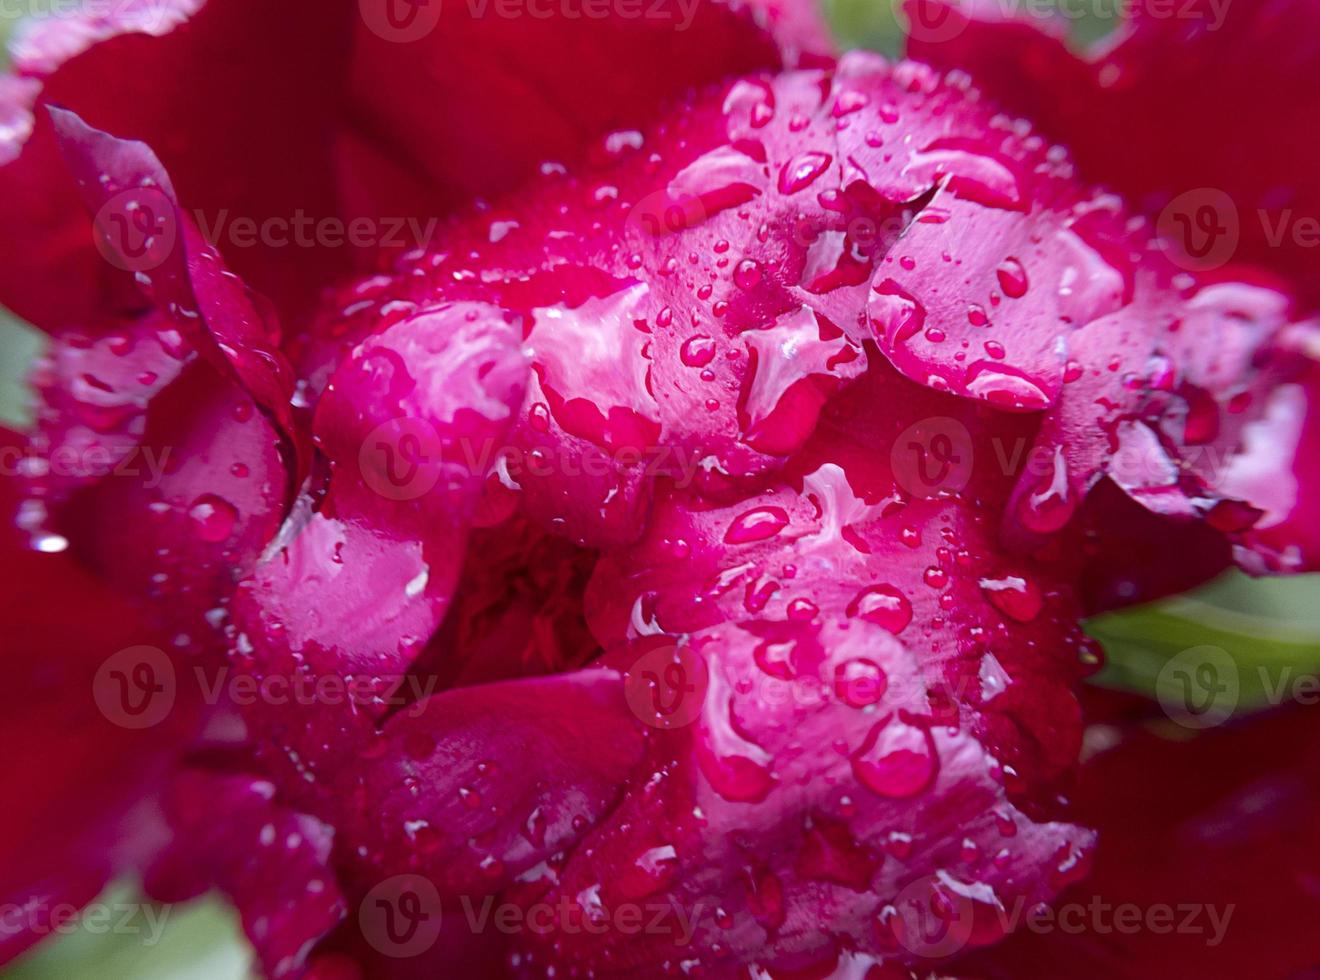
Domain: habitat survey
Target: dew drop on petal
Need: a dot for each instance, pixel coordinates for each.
(897, 760)
(756, 525)
(883, 605)
(213, 518)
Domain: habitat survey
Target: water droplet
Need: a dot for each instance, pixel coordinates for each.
(756, 525)
(1012, 278)
(650, 872)
(1050, 504)
(897, 760)
(999, 387)
(860, 682)
(776, 659)
(883, 605)
(213, 518)
(802, 610)
(698, 351)
(748, 274)
(1015, 597)
(802, 171)
(736, 767)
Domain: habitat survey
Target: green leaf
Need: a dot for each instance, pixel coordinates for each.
(1233, 648)
(865, 24)
(120, 935)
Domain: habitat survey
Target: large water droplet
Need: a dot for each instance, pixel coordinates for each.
(883, 605)
(756, 525)
(802, 171)
(213, 518)
(1012, 278)
(860, 682)
(897, 760)
(697, 351)
(1015, 597)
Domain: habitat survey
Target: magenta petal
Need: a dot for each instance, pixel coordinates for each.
(351, 593)
(409, 422)
(479, 822)
(85, 746)
(193, 505)
(65, 894)
(677, 301)
(521, 90)
(183, 275)
(164, 72)
(780, 824)
(1173, 112)
(94, 393)
(1186, 402)
(272, 863)
(1219, 822)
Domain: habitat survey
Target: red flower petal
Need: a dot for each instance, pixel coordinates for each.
(315, 102)
(78, 759)
(782, 825)
(272, 863)
(1173, 112)
(199, 498)
(178, 271)
(1208, 847)
(536, 87)
(93, 393)
(353, 589)
(448, 791)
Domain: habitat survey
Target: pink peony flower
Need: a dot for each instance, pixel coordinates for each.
(600, 490)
